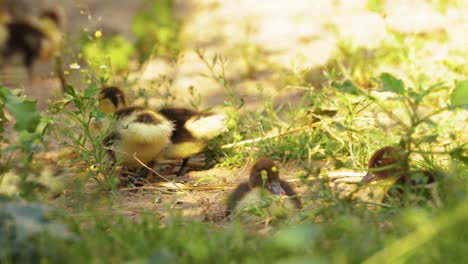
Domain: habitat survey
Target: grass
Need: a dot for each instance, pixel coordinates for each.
(364, 99)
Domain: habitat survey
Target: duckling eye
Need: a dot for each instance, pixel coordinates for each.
(378, 163)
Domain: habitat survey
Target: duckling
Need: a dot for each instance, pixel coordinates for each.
(193, 130)
(140, 131)
(45, 181)
(29, 40)
(386, 167)
(264, 176)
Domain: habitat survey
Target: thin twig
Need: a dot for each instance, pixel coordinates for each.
(59, 72)
(375, 203)
(255, 140)
(160, 185)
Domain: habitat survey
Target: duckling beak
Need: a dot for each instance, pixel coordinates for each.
(276, 188)
(368, 178)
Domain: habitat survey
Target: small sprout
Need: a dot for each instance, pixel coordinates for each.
(264, 175)
(274, 169)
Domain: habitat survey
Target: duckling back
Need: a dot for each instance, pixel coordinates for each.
(258, 203)
(193, 131)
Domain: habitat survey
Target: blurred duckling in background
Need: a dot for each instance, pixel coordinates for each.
(46, 181)
(263, 182)
(193, 130)
(392, 179)
(24, 42)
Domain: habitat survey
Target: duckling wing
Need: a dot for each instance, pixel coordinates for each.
(207, 126)
(239, 193)
(292, 194)
(179, 116)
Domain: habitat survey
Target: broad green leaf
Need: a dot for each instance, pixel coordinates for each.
(459, 96)
(23, 110)
(390, 83)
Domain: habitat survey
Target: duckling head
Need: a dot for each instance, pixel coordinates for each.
(264, 173)
(53, 15)
(111, 99)
(385, 163)
(50, 22)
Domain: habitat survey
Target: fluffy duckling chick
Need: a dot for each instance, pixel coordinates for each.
(9, 183)
(264, 176)
(45, 181)
(140, 131)
(193, 130)
(28, 41)
(386, 167)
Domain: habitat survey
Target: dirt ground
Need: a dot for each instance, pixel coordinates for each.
(287, 33)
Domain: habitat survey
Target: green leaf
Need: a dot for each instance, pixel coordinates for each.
(70, 91)
(459, 96)
(392, 84)
(347, 87)
(90, 91)
(23, 110)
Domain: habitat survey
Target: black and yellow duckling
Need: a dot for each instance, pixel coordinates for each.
(193, 130)
(138, 131)
(27, 41)
(388, 169)
(263, 181)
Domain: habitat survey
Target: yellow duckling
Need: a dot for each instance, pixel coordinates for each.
(137, 131)
(9, 184)
(45, 181)
(193, 130)
(263, 182)
(28, 41)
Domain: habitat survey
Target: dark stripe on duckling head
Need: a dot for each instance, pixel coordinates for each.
(127, 111)
(114, 94)
(384, 163)
(179, 116)
(147, 118)
(53, 15)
